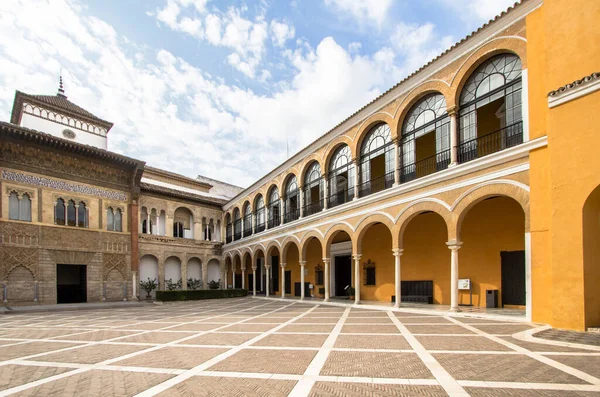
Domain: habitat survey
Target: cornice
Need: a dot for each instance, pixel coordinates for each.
(574, 90)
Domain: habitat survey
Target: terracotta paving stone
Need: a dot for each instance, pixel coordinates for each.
(486, 392)
(437, 329)
(97, 336)
(396, 342)
(369, 320)
(156, 337)
(370, 329)
(90, 354)
(380, 365)
(249, 327)
(502, 368)
(336, 389)
(174, 357)
(196, 327)
(224, 339)
(587, 364)
(475, 320)
(307, 328)
(361, 313)
(503, 329)
(31, 348)
(463, 343)
(542, 347)
(17, 375)
(216, 387)
(291, 340)
(586, 338)
(282, 361)
(98, 383)
(425, 320)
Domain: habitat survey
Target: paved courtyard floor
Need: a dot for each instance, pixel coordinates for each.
(259, 347)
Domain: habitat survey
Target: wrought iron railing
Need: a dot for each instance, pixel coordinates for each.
(248, 231)
(341, 197)
(291, 215)
(229, 234)
(429, 165)
(274, 222)
(259, 228)
(237, 235)
(376, 184)
(503, 138)
(313, 208)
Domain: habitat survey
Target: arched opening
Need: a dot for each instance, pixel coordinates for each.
(71, 213)
(145, 221)
(259, 263)
(289, 276)
(21, 285)
(229, 229)
(292, 200)
(149, 270)
(274, 208)
(425, 274)
(162, 224)
(425, 138)
(314, 270)
(342, 266)
(229, 269)
(155, 221)
(237, 272)
(247, 264)
(247, 220)
(173, 273)
(490, 115)
(492, 255)
(376, 267)
(376, 161)
(110, 219)
(13, 206)
(214, 271)
(237, 224)
(60, 212)
(194, 274)
(341, 177)
(272, 275)
(82, 215)
(118, 220)
(313, 189)
(19, 209)
(183, 222)
(259, 214)
(591, 258)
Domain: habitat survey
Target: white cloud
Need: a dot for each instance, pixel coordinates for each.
(477, 12)
(281, 32)
(374, 11)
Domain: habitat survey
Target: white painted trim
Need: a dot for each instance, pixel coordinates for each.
(583, 89)
(525, 103)
(528, 294)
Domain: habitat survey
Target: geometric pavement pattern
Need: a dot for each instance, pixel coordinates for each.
(270, 347)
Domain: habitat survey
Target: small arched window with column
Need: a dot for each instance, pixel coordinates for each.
(247, 220)
(259, 214)
(313, 189)
(292, 200)
(341, 176)
(114, 220)
(82, 215)
(490, 115)
(19, 208)
(71, 213)
(425, 138)
(60, 212)
(274, 208)
(376, 161)
(237, 224)
(228, 229)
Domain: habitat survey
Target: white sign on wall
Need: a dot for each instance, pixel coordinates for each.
(464, 284)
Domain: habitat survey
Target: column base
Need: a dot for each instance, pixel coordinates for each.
(134, 298)
(451, 165)
(396, 184)
(454, 310)
(397, 305)
(301, 298)
(326, 300)
(357, 302)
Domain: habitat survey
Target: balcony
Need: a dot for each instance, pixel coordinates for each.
(313, 208)
(341, 197)
(259, 228)
(274, 222)
(291, 215)
(426, 166)
(376, 185)
(493, 142)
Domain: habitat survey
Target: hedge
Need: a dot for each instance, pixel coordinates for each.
(189, 295)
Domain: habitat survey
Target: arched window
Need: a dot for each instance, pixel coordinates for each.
(110, 219)
(274, 208)
(229, 228)
(237, 224)
(259, 214)
(82, 218)
(118, 220)
(247, 220)
(341, 176)
(313, 190)
(60, 212)
(71, 213)
(184, 217)
(25, 208)
(491, 116)
(292, 200)
(377, 161)
(144, 217)
(178, 229)
(13, 206)
(425, 138)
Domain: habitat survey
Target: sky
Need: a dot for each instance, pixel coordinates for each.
(224, 89)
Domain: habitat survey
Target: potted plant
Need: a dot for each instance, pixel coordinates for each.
(171, 286)
(194, 284)
(214, 284)
(351, 293)
(148, 286)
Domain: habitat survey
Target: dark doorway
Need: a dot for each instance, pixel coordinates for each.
(288, 281)
(250, 286)
(298, 291)
(71, 283)
(513, 277)
(343, 274)
(238, 280)
(274, 284)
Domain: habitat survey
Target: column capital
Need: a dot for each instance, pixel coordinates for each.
(267, 266)
(283, 265)
(302, 263)
(452, 111)
(243, 268)
(326, 260)
(454, 245)
(398, 251)
(357, 257)
(253, 268)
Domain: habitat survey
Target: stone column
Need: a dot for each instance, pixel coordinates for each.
(35, 290)
(267, 277)
(396, 163)
(397, 275)
(326, 263)
(357, 278)
(454, 246)
(243, 277)
(253, 280)
(302, 268)
(356, 177)
(148, 224)
(282, 210)
(233, 270)
(134, 284)
(76, 215)
(326, 192)
(283, 280)
(301, 194)
(453, 139)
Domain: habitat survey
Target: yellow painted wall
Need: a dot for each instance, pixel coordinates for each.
(377, 246)
(591, 258)
(314, 257)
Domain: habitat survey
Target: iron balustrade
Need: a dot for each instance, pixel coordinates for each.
(429, 165)
(313, 208)
(248, 232)
(248, 225)
(291, 215)
(274, 222)
(376, 184)
(495, 141)
(341, 197)
(259, 228)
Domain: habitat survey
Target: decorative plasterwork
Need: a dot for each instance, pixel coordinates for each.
(60, 185)
(574, 90)
(55, 117)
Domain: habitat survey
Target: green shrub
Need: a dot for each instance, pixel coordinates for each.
(191, 295)
(214, 284)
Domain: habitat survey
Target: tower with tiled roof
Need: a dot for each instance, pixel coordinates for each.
(56, 115)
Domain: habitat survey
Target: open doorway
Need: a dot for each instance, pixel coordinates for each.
(343, 274)
(71, 283)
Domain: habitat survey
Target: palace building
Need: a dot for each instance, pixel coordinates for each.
(473, 182)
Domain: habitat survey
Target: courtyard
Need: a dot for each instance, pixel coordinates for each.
(271, 347)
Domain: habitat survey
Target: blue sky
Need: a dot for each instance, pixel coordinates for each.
(219, 88)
